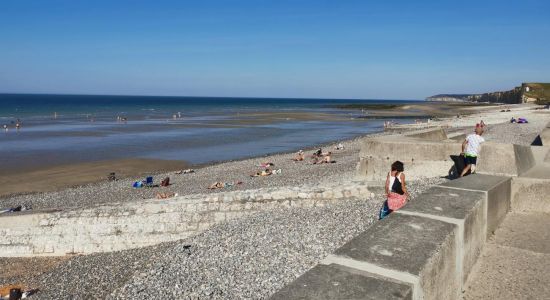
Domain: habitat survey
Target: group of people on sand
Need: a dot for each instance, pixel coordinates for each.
(396, 188)
(318, 157)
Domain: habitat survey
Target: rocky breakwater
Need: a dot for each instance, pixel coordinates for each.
(143, 223)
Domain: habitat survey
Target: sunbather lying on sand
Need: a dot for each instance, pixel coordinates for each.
(266, 164)
(326, 159)
(221, 185)
(216, 185)
(299, 156)
(187, 171)
(265, 172)
(166, 195)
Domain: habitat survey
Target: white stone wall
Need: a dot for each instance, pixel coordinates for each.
(148, 222)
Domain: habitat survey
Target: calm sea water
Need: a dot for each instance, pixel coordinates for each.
(60, 129)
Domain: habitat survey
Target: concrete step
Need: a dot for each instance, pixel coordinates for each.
(530, 195)
(515, 262)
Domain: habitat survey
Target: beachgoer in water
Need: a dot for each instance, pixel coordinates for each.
(299, 156)
(471, 147)
(340, 146)
(6, 127)
(396, 190)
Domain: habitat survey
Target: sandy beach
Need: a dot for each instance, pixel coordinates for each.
(74, 175)
(245, 258)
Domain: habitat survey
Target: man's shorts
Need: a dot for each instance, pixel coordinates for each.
(470, 160)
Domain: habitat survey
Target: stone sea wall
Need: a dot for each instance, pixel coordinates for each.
(149, 222)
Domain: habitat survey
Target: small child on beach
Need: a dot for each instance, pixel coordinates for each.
(396, 190)
(471, 147)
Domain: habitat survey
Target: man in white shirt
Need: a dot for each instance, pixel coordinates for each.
(471, 147)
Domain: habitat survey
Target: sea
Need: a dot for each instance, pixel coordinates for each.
(66, 129)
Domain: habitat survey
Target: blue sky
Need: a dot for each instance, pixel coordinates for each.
(283, 48)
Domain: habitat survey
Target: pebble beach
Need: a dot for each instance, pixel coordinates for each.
(248, 258)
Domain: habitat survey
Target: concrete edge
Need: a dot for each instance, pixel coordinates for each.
(413, 279)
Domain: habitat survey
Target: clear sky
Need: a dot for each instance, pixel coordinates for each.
(276, 48)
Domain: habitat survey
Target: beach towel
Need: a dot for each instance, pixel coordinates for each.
(396, 201)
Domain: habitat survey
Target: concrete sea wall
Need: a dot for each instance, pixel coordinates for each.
(423, 251)
(427, 249)
(148, 222)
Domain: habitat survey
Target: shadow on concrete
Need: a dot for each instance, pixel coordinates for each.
(537, 141)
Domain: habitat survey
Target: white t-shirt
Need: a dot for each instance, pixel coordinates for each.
(474, 143)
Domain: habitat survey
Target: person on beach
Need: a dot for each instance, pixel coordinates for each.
(326, 159)
(266, 164)
(299, 156)
(318, 153)
(471, 147)
(265, 172)
(396, 190)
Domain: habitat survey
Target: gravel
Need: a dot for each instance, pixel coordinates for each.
(248, 258)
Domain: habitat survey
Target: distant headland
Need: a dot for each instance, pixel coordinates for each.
(538, 93)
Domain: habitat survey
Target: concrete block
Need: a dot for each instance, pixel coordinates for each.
(545, 136)
(431, 134)
(408, 150)
(466, 209)
(327, 282)
(412, 246)
(420, 157)
(529, 194)
(376, 169)
(457, 136)
(527, 231)
(504, 159)
(499, 192)
(541, 153)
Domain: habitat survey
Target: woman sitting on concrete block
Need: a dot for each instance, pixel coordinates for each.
(396, 190)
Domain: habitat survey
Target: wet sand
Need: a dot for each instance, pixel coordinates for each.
(66, 176)
(420, 110)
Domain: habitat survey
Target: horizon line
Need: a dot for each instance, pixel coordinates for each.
(230, 97)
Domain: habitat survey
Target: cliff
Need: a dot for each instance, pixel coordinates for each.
(526, 93)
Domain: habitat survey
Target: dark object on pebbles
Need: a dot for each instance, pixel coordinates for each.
(111, 176)
(15, 294)
(187, 248)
